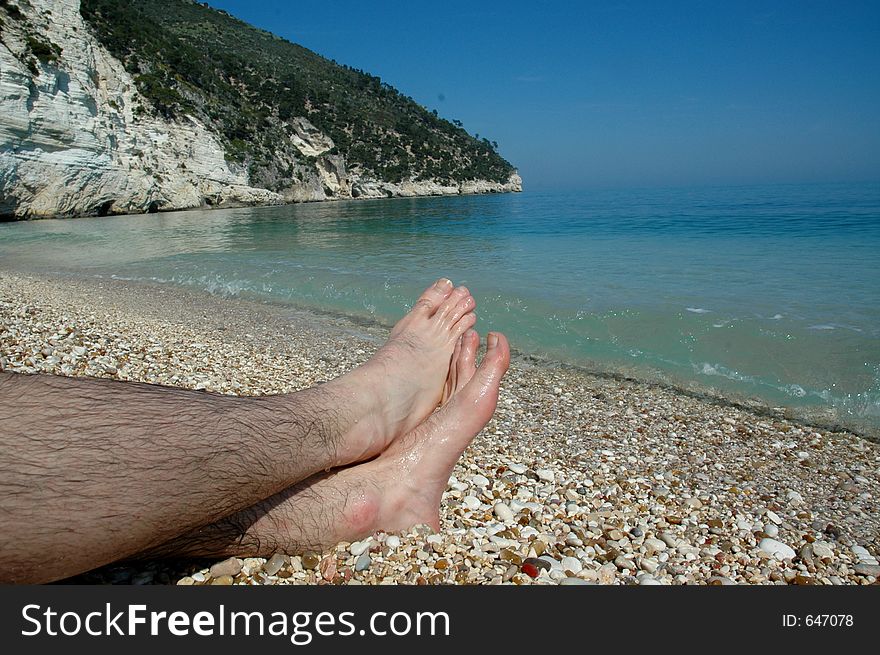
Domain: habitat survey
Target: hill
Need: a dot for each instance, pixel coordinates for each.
(197, 108)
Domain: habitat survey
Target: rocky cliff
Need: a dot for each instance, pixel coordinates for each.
(86, 131)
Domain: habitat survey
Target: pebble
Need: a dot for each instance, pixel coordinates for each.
(471, 502)
(607, 574)
(392, 541)
(479, 480)
(310, 560)
(274, 564)
(222, 580)
(574, 581)
(867, 569)
(363, 562)
(519, 469)
(773, 516)
(359, 547)
(230, 567)
(647, 580)
(822, 550)
(530, 570)
(503, 512)
(546, 475)
(538, 562)
(572, 565)
(771, 530)
(776, 548)
(721, 580)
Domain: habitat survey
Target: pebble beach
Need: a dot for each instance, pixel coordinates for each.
(578, 479)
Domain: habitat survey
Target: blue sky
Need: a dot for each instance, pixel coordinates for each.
(596, 94)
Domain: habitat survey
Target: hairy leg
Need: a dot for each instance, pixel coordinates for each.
(400, 488)
(92, 471)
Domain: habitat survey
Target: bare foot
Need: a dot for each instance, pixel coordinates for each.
(400, 488)
(414, 471)
(405, 379)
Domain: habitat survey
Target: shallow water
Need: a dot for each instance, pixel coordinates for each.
(770, 292)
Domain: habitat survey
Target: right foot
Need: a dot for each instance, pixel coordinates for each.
(406, 377)
(412, 474)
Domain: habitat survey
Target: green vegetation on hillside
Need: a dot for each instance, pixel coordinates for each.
(188, 58)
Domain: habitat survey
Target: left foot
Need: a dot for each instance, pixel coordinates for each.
(404, 381)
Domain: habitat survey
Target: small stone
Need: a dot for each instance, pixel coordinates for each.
(359, 547)
(508, 555)
(186, 581)
(637, 532)
(546, 475)
(655, 545)
(479, 480)
(647, 580)
(328, 567)
(771, 530)
(471, 502)
(222, 580)
(867, 569)
(863, 555)
(776, 548)
(720, 580)
(574, 581)
(274, 564)
(607, 574)
(668, 539)
(392, 541)
(622, 563)
(230, 567)
(822, 550)
(537, 562)
(530, 570)
(363, 561)
(572, 565)
(310, 560)
(773, 517)
(503, 512)
(693, 503)
(519, 469)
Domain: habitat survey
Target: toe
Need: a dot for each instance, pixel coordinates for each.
(454, 305)
(494, 364)
(464, 324)
(465, 363)
(433, 297)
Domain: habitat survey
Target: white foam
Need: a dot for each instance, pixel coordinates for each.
(698, 310)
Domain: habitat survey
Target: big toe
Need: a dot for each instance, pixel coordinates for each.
(433, 297)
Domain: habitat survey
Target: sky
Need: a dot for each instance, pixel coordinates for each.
(617, 94)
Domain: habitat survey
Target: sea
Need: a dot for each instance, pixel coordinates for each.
(762, 294)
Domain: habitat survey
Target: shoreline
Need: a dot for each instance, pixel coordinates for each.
(626, 481)
(12, 217)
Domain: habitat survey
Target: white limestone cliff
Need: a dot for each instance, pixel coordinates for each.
(77, 138)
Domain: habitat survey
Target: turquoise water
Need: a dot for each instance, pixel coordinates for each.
(770, 292)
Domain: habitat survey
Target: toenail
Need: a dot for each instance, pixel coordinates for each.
(443, 282)
(491, 340)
